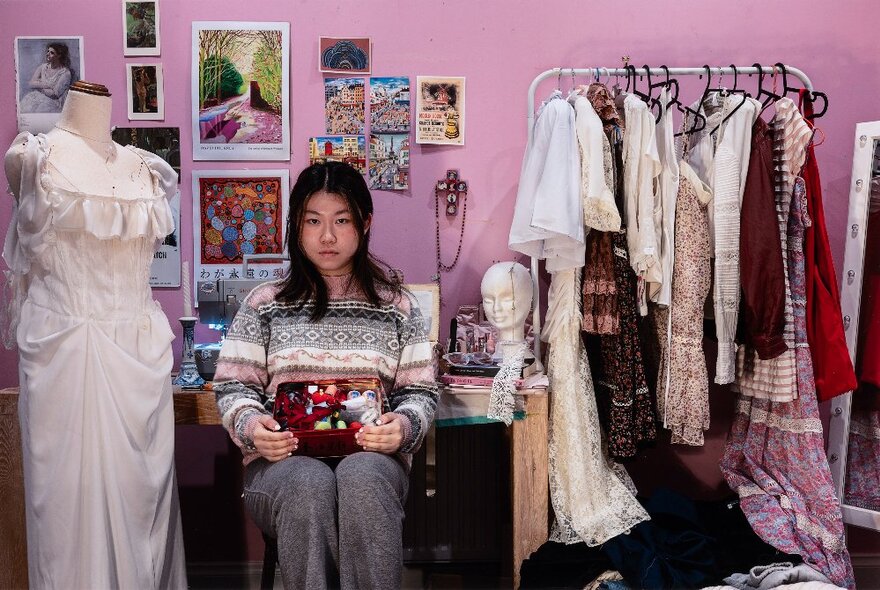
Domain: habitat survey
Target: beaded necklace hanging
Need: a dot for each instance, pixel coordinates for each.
(450, 189)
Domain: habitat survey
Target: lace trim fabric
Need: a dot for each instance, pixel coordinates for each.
(502, 401)
(592, 499)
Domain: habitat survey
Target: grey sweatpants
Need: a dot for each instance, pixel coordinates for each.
(339, 527)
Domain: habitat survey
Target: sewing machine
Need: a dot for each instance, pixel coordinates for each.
(218, 303)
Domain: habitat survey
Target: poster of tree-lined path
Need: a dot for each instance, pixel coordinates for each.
(241, 107)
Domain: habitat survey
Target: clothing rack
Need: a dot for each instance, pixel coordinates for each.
(629, 71)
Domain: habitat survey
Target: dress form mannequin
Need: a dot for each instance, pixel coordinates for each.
(95, 403)
(506, 289)
(82, 155)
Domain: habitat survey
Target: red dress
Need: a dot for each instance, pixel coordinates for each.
(832, 364)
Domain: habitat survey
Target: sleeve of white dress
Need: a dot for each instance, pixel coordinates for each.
(158, 212)
(30, 216)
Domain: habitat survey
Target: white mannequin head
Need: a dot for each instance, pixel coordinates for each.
(507, 298)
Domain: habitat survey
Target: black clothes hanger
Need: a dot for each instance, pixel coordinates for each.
(734, 90)
(768, 96)
(813, 96)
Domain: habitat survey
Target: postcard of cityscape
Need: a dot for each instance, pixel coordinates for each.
(389, 105)
(344, 106)
(350, 149)
(389, 161)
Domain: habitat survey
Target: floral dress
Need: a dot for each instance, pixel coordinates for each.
(682, 382)
(775, 454)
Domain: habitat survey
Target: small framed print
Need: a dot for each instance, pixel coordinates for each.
(146, 97)
(428, 297)
(440, 110)
(45, 68)
(140, 27)
(344, 55)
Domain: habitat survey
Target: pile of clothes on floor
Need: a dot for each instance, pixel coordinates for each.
(686, 544)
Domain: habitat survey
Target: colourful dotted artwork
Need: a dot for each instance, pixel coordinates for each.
(236, 215)
(240, 216)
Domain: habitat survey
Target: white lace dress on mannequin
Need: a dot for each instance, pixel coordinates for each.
(593, 499)
(97, 418)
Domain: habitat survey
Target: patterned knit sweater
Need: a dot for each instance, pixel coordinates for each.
(271, 342)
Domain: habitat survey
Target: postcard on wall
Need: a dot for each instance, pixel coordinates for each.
(440, 110)
(389, 161)
(240, 97)
(344, 56)
(236, 213)
(162, 141)
(140, 27)
(350, 149)
(45, 68)
(146, 96)
(389, 105)
(344, 106)
(165, 143)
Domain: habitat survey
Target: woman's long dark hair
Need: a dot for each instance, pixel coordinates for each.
(304, 283)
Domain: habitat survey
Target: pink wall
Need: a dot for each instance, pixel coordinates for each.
(499, 46)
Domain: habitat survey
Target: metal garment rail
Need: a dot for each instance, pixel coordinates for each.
(597, 72)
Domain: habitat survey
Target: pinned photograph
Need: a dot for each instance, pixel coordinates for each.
(165, 143)
(241, 106)
(140, 26)
(45, 68)
(236, 213)
(349, 149)
(389, 161)
(146, 97)
(344, 56)
(389, 105)
(344, 106)
(440, 110)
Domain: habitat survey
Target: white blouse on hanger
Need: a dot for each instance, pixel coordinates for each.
(664, 213)
(600, 210)
(641, 165)
(548, 216)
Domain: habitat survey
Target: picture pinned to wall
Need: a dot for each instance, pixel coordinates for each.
(165, 143)
(440, 110)
(389, 161)
(389, 105)
(45, 68)
(237, 213)
(146, 95)
(240, 97)
(349, 149)
(427, 295)
(162, 141)
(339, 55)
(140, 26)
(344, 106)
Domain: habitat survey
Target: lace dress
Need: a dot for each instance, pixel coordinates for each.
(96, 413)
(593, 500)
(775, 454)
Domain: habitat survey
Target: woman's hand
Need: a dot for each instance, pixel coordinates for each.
(384, 438)
(271, 444)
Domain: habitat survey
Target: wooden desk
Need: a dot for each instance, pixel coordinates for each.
(528, 476)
